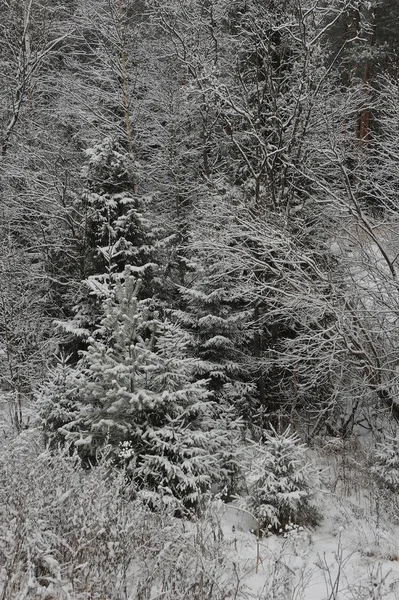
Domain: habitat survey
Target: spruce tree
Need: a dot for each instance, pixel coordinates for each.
(134, 386)
(217, 316)
(116, 235)
(281, 483)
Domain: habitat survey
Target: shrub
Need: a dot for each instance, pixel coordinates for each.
(386, 463)
(75, 534)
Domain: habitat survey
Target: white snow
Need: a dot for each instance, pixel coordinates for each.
(353, 554)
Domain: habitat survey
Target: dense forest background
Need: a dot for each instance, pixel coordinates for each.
(199, 226)
(199, 219)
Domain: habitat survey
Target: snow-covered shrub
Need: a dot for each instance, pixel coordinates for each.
(386, 463)
(282, 482)
(64, 532)
(72, 534)
(188, 561)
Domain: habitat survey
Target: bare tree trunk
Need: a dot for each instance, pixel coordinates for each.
(124, 80)
(365, 117)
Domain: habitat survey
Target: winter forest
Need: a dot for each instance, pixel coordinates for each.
(199, 299)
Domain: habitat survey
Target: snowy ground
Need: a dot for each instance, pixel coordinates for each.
(348, 557)
(352, 555)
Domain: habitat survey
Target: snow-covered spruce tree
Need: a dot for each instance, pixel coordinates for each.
(117, 230)
(134, 388)
(117, 234)
(217, 315)
(386, 463)
(56, 402)
(281, 483)
(257, 83)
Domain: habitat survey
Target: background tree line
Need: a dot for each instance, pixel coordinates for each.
(198, 225)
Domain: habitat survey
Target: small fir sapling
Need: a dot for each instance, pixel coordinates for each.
(56, 403)
(282, 483)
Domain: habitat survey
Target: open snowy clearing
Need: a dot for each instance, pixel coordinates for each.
(350, 556)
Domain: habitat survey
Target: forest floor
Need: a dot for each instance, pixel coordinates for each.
(352, 555)
(349, 556)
